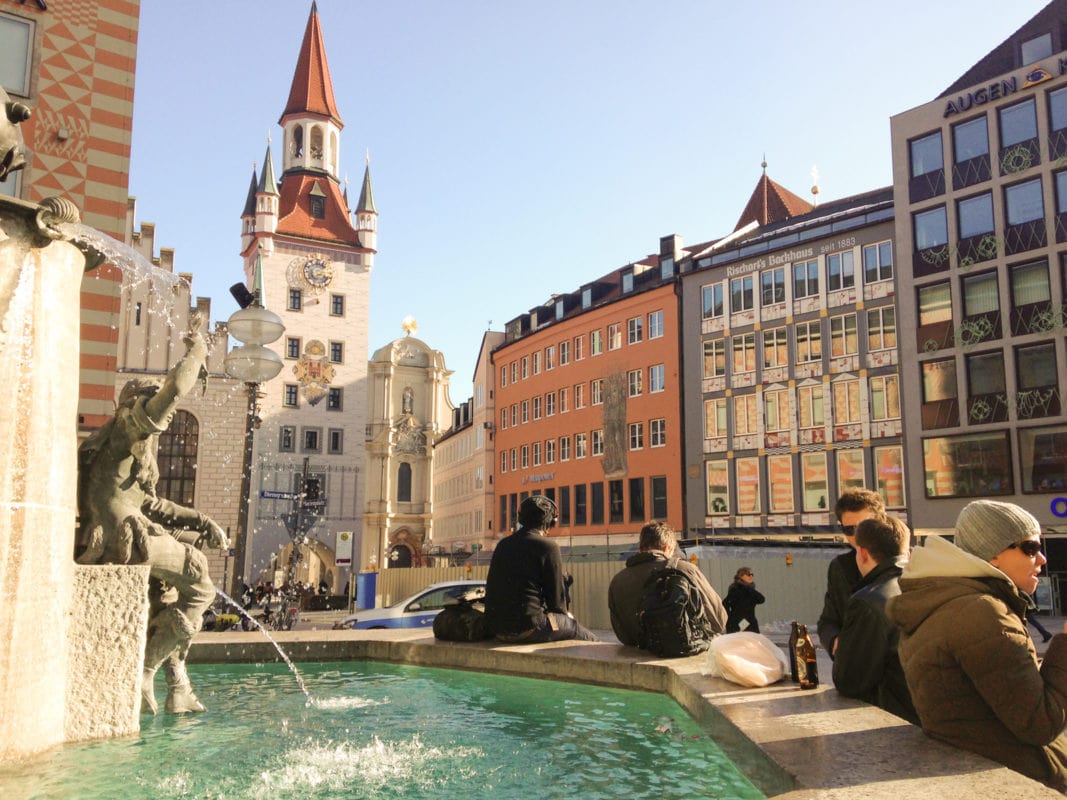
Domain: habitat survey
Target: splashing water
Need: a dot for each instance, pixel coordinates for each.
(271, 639)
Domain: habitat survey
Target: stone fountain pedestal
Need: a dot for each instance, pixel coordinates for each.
(72, 637)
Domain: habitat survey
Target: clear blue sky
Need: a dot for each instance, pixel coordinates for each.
(520, 149)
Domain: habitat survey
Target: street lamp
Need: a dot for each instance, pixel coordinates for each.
(252, 363)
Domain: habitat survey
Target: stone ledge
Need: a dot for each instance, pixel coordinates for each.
(797, 745)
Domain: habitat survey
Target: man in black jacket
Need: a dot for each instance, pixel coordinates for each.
(525, 599)
(867, 666)
(853, 506)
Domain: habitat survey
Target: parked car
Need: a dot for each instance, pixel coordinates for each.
(416, 611)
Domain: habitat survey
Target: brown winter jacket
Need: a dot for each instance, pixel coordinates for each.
(971, 665)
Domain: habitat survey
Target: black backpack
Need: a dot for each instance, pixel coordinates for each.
(671, 618)
(463, 619)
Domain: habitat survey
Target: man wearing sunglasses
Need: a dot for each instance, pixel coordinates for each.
(969, 662)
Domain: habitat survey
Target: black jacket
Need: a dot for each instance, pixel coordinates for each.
(741, 601)
(842, 577)
(867, 666)
(525, 580)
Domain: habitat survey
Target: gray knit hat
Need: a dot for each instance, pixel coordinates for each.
(986, 527)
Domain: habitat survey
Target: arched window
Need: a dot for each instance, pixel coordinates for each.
(403, 483)
(296, 144)
(177, 459)
(316, 143)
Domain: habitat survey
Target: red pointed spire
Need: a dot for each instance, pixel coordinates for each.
(771, 202)
(312, 90)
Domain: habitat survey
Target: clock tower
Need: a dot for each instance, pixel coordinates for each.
(315, 265)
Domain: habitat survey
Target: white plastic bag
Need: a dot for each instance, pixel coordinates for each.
(748, 659)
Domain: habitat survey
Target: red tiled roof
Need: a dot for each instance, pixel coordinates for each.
(312, 90)
(294, 210)
(772, 203)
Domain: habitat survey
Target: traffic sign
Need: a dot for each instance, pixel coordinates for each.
(271, 494)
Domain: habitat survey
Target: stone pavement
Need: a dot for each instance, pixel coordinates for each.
(794, 744)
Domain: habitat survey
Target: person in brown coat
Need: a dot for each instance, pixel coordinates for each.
(969, 662)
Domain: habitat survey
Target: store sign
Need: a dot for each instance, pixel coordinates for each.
(343, 550)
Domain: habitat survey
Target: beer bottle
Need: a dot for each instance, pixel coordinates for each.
(794, 636)
(807, 665)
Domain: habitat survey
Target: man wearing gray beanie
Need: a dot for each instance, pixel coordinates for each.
(969, 662)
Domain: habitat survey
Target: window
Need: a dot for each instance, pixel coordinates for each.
(741, 298)
(537, 454)
(403, 483)
(311, 440)
(776, 410)
(772, 286)
(987, 399)
(715, 418)
(659, 496)
(337, 305)
(637, 435)
(972, 465)
(745, 419)
(290, 395)
(840, 271)
(846, 396)
(596, 503)
(1024, 203)
(579, 395)
(514, 459)
(744, 353)
(579, 348)
(975, 215)
(931, 229)
(550, 357)
(656, 380)
(177, 448)
(1031, 298)
(615, 502)
(598, 442)
(1037, 381)
(1057, 111)
(775, 348)
(637, 499)
(537, 407)
(524, 456)
(805, 279)
(657, 432)
(503, 377)
(335, 399)
(587, 297)
(561, 309)
(746, 478)
(714, 358)
(809, 341)
(971, 145)
(550, 404)
(940, 407)
(318, 207)
(1018, 123)
(935, 317)
(634, 330)
(885, 397)
(564, 396)
(550, 451)
(881, 329)
(596, 392)
(843, 339)
(337, 352)
(627, 282)
(927, 155)
(536, 363)
(614, 336)
(711, 301)
(564, 448)
(296, 300)
(503, 460)
(564, 353)
(292, 347)
(878, 262)
(810, 406)
(1036, 48)
(16, 43)
(524, 367)
(579, 445)
(1043, 454)
(514, 414)
(335, 441)
(655, 325)
(981, 308)
(287, 439)
(580, 505)
(889, 474)
(780, 483)
(850, 471)
(718, 490)
(813, 470)
(596, 343)
(633, 379)
(514, 371)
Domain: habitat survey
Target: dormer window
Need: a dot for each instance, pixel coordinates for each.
(317, 202)
(666, 268)
(627, 282)
(1036, 49)
(559, 309)
(587, 297)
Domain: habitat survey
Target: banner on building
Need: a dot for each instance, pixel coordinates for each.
(343, 550)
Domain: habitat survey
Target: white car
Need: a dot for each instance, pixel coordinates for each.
(416, 611)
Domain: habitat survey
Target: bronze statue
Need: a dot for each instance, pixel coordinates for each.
(122, 521)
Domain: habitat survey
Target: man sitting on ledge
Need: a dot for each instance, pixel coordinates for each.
(525, 599)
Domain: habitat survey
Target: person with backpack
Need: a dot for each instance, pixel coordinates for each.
(632, 598)
(741, 602)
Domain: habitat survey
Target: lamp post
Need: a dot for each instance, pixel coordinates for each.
(253, 363)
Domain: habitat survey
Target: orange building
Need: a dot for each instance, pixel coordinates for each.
(588, 408)
(74, 68)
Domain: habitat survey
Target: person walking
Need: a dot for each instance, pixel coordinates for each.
(741, 601)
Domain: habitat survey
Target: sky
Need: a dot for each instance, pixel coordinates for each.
(521, 149)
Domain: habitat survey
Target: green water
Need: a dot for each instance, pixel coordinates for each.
(393, 731)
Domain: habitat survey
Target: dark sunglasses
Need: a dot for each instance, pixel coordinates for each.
(850, 530)
(1029, 547)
